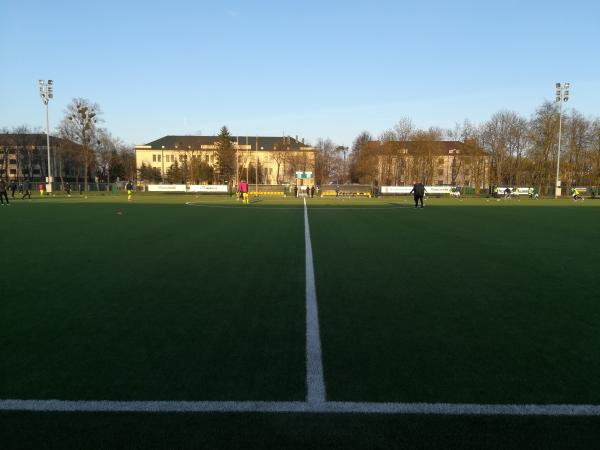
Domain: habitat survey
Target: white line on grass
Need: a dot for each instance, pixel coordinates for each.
(298, 407)
(316, 208)
(315, 380)
(316, 397)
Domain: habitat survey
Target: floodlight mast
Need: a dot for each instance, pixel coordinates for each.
(47, 93)
(562, 95)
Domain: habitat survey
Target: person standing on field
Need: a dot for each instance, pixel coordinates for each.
(129, 188)
(3, 193)
(418, 191)
(244, 191)
(26, 190)
(41, 189)
(13, 188)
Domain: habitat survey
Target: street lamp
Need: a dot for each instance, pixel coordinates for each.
(562, 95)
(162, 161)
(47, 93)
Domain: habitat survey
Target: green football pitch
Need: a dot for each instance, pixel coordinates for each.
(174, 298)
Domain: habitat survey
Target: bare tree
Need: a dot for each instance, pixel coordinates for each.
(22, 140)
(594, 142)
(324, 164)
(6, 145)
(505, 138)
(279, 156)
(80, 126)
(577, 140)
(543, 135)
(403, 130)
(360, 167)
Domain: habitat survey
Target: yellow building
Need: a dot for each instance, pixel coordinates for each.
(274, 159)
(432, 162)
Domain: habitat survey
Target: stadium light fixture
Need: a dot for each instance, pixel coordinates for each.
(47, 93)
(562, 95)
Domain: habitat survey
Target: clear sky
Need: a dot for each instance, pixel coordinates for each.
(309, 68)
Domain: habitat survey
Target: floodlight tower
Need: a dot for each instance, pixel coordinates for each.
(562, 95)
(47, 93)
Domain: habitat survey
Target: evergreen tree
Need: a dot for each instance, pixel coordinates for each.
(225, 155)
(149, 173)
(174, 173)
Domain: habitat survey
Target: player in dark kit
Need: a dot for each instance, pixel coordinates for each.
(418, 191)
(13, 188)
(3, 194)
(26, 190)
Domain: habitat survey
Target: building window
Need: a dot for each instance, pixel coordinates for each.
(153, 158)
(440, 182)
(158, 158)
(440, 172)
(440, 161)
(12, 161)
(13, 171)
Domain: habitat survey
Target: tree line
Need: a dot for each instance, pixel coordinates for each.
(87, 153)
(519, 151)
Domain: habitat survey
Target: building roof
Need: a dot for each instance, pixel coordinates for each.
(440, 148)
(195, 142)
(37, 139)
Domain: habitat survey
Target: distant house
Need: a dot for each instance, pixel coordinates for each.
(277, 158)
(25, 156)
(433, 162)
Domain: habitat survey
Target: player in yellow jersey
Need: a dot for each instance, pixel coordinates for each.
(129, 188)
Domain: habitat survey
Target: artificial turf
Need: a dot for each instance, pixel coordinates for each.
(464, 301)
(70, 431)
(480, 304)
(150, 300)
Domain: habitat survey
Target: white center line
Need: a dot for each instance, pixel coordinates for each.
(315, 380)
(178, 406)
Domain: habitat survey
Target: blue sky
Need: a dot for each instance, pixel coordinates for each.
(309, 68)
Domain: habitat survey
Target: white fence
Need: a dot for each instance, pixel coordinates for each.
(432, 190)
(182, 188)
(514, 190)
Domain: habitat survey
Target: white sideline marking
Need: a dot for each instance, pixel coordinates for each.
(316, 397)
(298, 407)
(318, 208)
(315, 380)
